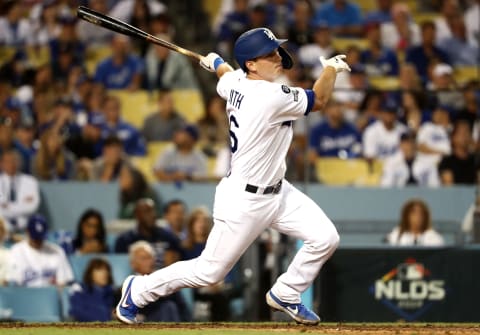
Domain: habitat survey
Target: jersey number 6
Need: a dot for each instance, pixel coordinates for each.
(234, 140)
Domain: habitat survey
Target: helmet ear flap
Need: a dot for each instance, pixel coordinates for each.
(287, 60)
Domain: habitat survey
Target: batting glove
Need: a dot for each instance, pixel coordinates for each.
(337, 62)
(211, 62)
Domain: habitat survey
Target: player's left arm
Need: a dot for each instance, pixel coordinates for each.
(214, 63)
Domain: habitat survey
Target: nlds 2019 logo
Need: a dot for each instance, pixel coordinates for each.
(409, 289)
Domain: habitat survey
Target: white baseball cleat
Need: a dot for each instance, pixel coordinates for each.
(126, 310)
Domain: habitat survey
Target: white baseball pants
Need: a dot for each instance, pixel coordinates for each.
(239, 218)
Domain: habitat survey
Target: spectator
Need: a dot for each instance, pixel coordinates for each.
(459, 167)
(107, 167)
(422, 55)
(93, 299)
(406, 167)
(378, 60)
(444, 89)
(8, 142)
(433, 140)
(52, 161)
(87, 144)
(402, 32)
(472, 17)
(161, 126)
(67, 40)
(217, 296)
(122, 70)
(199, 224)
(351, 94)
(413, 114)
(14, 29)
(343, 16)
(91, 234)
(36, 262)
(183, 161)
(309, 54)
(167, 69)
(4, 252)
(133, 142)
(88, 33)
(409, 80)
(167, 309)
(469, 113)
(450, 10)
(334, 137)
(133, 187)
(369, 109)
(415, 228)
(166, 245)
(298, 30)
(124, 9)
(236, 22)
(25, 142)
(381, 14)
(47, 26)
(459, 50)
(174, 215)
(381, 139)
(213, 126)
(19, 196)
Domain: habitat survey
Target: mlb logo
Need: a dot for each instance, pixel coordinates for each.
(410, 271)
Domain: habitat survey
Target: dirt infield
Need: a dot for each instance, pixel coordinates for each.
(243, 328)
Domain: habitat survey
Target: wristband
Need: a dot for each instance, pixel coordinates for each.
(217, 62)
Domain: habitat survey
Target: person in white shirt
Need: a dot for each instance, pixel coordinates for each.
(402, 32)
(443, 29)
(382, 138)
(14, 30)
(415, 228)
(433, 138)
(35, 262)
(19, 194)
(472, 17)
(4, 252)
(408, 168)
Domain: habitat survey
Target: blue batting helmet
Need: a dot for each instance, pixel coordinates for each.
(259, 42)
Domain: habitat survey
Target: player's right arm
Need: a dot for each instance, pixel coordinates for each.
(323, 86)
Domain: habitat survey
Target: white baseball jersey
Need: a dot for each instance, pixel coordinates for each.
(261, 115)
(435, 137)
(26, 202)
(395, 171)
(379, 142)
(38, 268)
(429, 238)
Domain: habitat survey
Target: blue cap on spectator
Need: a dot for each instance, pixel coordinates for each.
(192, 131)
(12, 103)
(389, 106)
(96, 119)
(37, 227)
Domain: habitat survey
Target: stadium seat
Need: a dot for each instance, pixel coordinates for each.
(412, 5)
(367, 5)
(136, 106)
(38, 56)
(464, 74)
(189, 104)
(419, 18)
(341, 44)
(336, 171)
(95, 56)
(6, 54)
(386, 83)
(119, 262)
(145, 164)
(212, 7)
(30, 304)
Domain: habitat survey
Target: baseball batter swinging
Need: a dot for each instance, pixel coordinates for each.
(254, 195)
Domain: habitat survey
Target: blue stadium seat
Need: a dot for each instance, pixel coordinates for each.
(119, 262)
(30, 304)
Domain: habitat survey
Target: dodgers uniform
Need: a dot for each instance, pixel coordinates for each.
(254, 196)
(435, 137)
(379, 142)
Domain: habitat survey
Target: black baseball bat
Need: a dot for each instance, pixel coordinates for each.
(121, 27)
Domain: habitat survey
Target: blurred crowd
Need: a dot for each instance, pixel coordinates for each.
(61, 119)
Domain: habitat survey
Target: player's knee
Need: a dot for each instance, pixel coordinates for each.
(211, 275)
(328, 239)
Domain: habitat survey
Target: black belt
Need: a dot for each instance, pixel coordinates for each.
(275, 189)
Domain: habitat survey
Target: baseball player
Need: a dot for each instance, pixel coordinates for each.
(254, 195)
